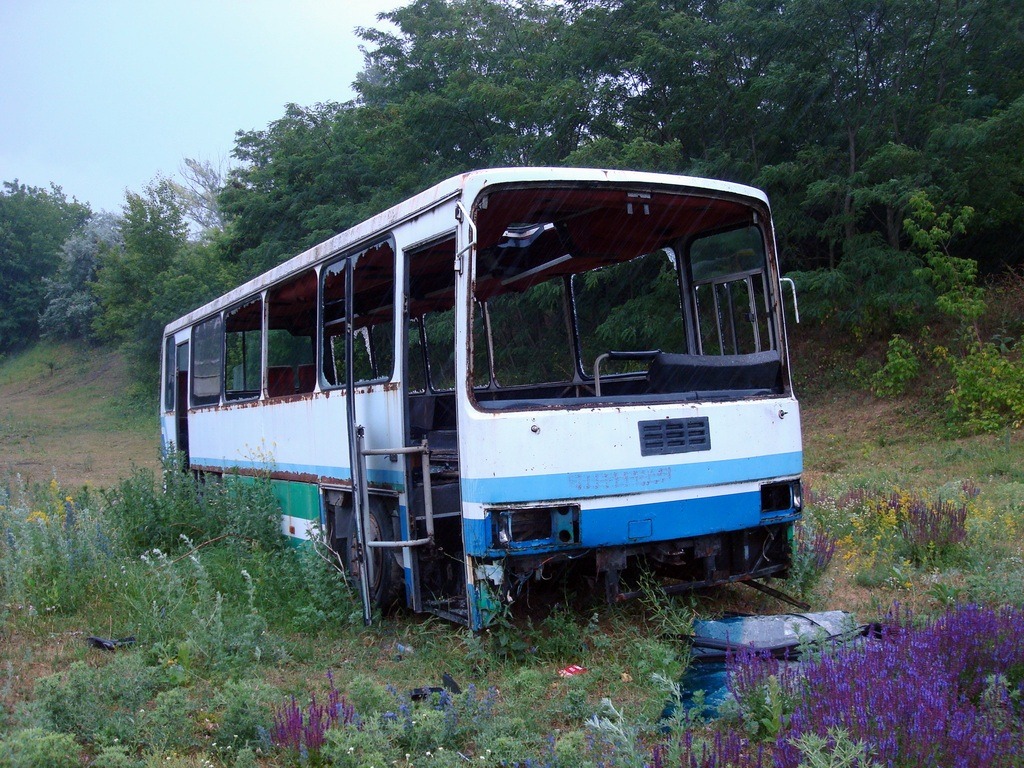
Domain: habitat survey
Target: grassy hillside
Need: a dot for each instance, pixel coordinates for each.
(65, 412)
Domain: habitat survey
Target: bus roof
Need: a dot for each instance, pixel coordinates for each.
(470, 183)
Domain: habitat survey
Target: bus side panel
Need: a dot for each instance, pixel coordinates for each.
(301, 444)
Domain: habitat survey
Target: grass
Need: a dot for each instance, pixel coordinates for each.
(66, 411)
(218, 655)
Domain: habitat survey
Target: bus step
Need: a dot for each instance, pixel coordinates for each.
(452, 609)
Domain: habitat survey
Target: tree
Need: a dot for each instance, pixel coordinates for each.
(198, 196)
(471, 83)
(840, 110)
(877, 77)
(462, 84)
(307, 176)
(71, 306)
(33, 224)
(157, 276)
(983, 167)
(154, 231)
(954, 279)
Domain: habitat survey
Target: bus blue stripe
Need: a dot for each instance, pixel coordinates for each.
(615, 482)
(638, 524)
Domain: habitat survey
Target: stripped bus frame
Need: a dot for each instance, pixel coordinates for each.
(494, 432)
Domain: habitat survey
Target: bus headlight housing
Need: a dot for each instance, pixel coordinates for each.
(536, 526)
(781, 498)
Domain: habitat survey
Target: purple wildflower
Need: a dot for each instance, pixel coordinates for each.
(304, 731)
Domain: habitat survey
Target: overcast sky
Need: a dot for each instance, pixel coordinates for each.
(102, 96)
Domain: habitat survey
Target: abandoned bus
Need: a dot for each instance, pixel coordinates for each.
(511, 372)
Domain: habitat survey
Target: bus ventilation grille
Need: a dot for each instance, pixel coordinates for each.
(663, 436)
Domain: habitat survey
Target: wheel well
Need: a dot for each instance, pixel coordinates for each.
(340, 520)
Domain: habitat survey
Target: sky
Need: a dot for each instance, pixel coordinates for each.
(103, 96)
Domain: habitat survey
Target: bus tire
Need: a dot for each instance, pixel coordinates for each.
(385, 589)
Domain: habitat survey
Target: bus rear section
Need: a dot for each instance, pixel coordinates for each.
(622, 392)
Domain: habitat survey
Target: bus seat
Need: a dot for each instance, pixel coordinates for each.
(307, 378)
(708, 373)
(280, 381)
(421, 415)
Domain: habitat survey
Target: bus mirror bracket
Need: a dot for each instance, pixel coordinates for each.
(461, 214)
(792, 286)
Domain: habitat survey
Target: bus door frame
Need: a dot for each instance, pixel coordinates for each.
(181, 397)
(355, 431)
(396, 450)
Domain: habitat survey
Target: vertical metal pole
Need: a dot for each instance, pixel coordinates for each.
(364, 505)
(355, 453)
(360, 508)
(466, 240)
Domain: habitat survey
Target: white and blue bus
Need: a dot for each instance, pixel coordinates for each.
(515, 371)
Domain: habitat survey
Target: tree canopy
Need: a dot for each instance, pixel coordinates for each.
(34, 223)
(844, 112)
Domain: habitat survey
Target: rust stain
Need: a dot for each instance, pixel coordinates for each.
(342, 483)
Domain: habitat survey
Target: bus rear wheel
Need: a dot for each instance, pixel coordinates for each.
(386, 579)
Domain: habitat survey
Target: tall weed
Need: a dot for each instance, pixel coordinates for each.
(175, 610)
(813, 549)
(149, 515)
(885, 533)
(55, 553)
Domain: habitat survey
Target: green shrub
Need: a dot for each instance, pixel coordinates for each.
(175, 609)
(115, 756)
(38, 748)
(157, 516)
(100, 705)
(149, 517)
(169, 726)
(873, 290)
(245, 720)
(838, 750)
(322, 595)
(901, 368)
(368, 694)
(989, 391)
(767, 709)
(361, 748)
(194, 602)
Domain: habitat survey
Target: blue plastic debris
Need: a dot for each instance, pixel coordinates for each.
(703, 688)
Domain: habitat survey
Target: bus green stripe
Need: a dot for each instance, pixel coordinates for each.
(301, 500)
